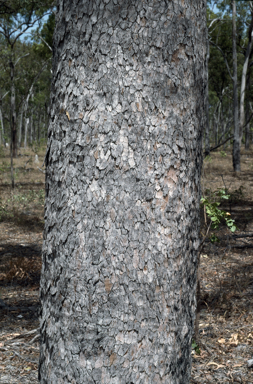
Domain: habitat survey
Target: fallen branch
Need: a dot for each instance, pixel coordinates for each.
(34, 338)
(23, 358)
(242, 246)
(41, 170)
(26, 334)
(241, 236)
(206, 153)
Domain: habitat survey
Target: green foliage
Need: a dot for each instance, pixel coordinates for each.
(215, 214)
(24, 7)
(223, 154)
(43, 38)
(214, 239)
(195, 347)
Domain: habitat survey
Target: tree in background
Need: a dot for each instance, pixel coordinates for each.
(221, 63)
(236, 140)
(122, 191)
(14, 23)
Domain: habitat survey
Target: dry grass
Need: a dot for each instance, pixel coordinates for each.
(218, 172)
(26, 171)
(23, 205)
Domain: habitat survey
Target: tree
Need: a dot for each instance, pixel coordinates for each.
(236, 141)
(226, 52)
(122, 191)
(248, 52)
(15, 20)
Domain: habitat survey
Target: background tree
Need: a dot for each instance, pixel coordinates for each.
(220, 72)
(122, 191)
(14, 23)
(236, 141)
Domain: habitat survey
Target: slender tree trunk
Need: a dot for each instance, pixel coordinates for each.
(27, 120)
(207, 132)
(2, 127)
(34, 126)
(39, 128)
(247, 127)
(122, 192)
(31, 129)
(12, 170)
(236, 142)
(13, 115)
(20, 126)
(26, 131)
(243, 81)
(217, 122)
(247, 114)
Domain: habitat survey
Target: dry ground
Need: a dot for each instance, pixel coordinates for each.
(226, 335)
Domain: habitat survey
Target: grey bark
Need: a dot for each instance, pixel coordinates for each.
(236, 141)
(247, 112)
(244, 74)
(2, 134)
(207, 130)
(122, 192)
(25, 113)
(26, 131)
(13, 114)
(20, 126)
(31, 128)
(39, 127)
(247, 127)
(2, 127)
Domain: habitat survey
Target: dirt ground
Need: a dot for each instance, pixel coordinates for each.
(225, 334)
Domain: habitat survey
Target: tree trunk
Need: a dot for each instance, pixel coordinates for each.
(20, 126)
(31, 129)
(13, 115)
(2, 126)
(26, 131)
(244, 74)
(34, 120)
(236, 141)
(39, 128)
(247, 127)
(247, 113)
(207, 131)
(122, 192)
(25, 113)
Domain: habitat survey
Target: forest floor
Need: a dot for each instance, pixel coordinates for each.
(226, 318)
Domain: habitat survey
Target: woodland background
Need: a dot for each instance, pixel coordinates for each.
(26, 33)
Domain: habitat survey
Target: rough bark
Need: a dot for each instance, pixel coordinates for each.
(236, 141)
(122, 192)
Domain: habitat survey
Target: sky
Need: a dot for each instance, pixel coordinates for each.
(27, 34)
